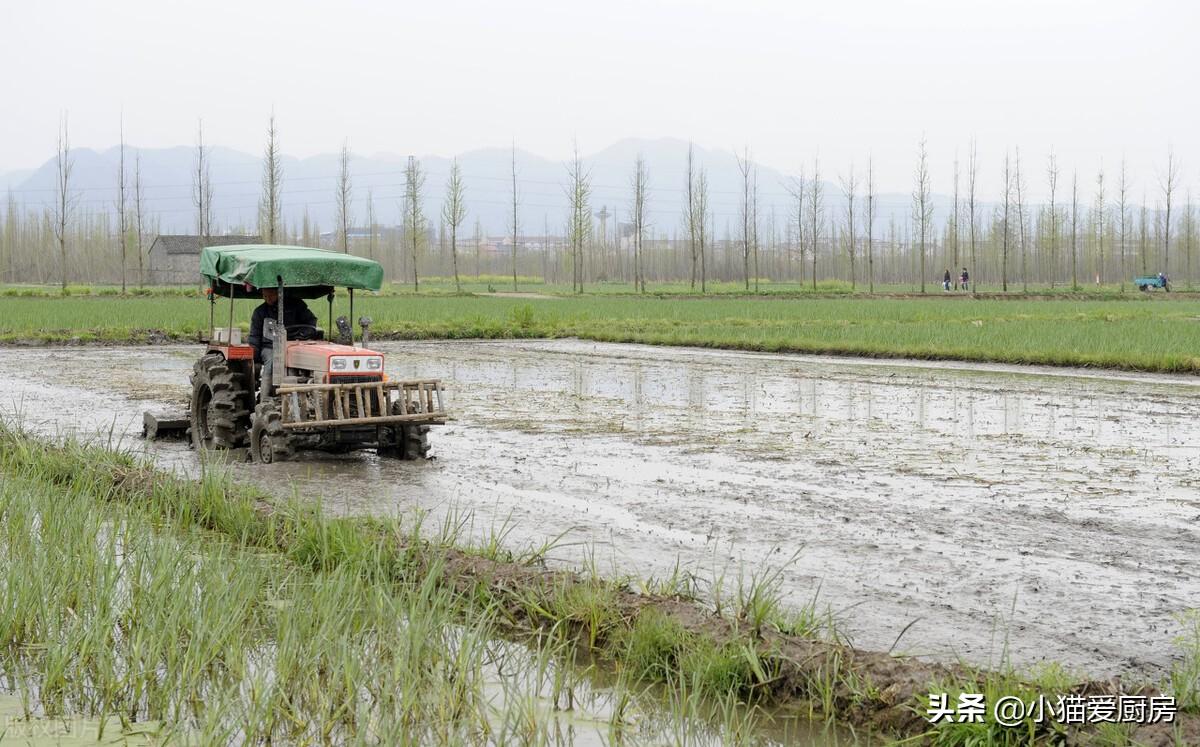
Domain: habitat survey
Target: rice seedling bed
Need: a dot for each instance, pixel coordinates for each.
(1143, 334)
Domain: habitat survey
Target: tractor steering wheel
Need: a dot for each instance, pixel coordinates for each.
(302, 332)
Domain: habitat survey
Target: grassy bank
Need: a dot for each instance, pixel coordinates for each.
(1133, 333)
(302, 628)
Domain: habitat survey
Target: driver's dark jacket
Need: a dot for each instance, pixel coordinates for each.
(295, 313)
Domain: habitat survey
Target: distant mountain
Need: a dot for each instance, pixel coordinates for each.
(308, 186)
(11, 179)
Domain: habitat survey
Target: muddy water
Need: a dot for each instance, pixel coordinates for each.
(1051, 514)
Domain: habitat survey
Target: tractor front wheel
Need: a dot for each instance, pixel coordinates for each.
(414, 440)
(401, 441)
(269, 442)
(219, 415)
(407, 442)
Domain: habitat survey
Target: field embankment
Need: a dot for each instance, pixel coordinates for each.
(1131, 334)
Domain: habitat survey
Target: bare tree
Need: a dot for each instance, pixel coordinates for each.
(122, 213)
(816, 216)
(922, 206)
(972, 174)
(689, 210)
(797, 187)
(850, 190)
(638, 213)
(1100, 215)
(954, 224)
(1052, 178)
(545, 249)
(1170, 182)
(371, 224)
(454, 212)
(1019, 183)
(747, 171)
(202, 187)
(344, 198)
(870, 225)
(1004, 224)
(579, 193)
(1074, 230)
(478, 245)
(414, 216)
(754, 225)
(64, 201)
(1189, 234)
(1144, 237)
(515, 204)
(271, 225)
(703, 229)
(139, 216)
(1123, 217)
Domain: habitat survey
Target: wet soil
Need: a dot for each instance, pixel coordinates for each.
(68, 731)
(1042, 514)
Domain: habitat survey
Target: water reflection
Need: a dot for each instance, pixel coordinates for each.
(954, 403)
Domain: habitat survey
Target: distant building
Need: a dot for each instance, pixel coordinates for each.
(175, 259)
(361, 237)
(525, 243)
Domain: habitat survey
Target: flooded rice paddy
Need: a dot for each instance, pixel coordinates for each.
(1049, 514)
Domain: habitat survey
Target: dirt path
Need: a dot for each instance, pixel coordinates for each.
(1053, 509)
(521, 294)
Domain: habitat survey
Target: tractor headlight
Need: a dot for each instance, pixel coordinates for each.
(374, 364)
(337, 364)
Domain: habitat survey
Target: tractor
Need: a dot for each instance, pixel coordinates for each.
(1146, 282)
(308, 392)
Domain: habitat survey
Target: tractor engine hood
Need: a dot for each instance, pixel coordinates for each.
(334, 360)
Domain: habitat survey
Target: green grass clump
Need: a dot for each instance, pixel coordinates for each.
(651, 647)
(716, 668)
(1049, 682)
(1184, 681)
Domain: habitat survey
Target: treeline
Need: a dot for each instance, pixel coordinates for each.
(1091, 230)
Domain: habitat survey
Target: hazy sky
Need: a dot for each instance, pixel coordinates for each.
(1094, 80)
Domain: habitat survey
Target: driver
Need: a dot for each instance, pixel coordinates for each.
(295, 314)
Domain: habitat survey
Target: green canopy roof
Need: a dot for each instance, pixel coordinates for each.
(306, 272)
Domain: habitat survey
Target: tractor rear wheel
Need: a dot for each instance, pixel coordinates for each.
(219, 415)
(269, 442)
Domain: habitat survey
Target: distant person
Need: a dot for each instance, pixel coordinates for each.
(1163, 282)
(946, 280)
(964, 279)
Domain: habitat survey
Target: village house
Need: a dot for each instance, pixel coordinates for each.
(174, 259)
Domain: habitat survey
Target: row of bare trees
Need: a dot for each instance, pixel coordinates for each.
(64, 213)
(1052, 243)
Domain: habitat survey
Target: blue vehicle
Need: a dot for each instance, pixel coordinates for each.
(1146, 282)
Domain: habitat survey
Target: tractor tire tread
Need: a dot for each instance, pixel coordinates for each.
(228, 417)
(268, 422)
